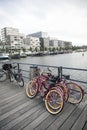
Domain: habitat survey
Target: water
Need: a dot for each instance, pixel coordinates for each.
(76, 60)
(71, 60)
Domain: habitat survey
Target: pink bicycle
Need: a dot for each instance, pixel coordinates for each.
(53, 95)
(73, 93)
(55, 91)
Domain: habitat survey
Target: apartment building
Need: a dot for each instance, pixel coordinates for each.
(44, 42)
(64, 44)
(8, 31)
(39, 34)
(67, 44)
(11, 37)
(32, 42)
(53, 43)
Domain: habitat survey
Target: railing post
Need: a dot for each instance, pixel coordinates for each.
(60, 71)
(18, 67)
(34, 72)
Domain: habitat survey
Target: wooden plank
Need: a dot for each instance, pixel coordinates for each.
(20, 118)
(68, 124)
(22, 124)
(85, 126)
(19, 111)
(3, 101)
(59, 121)
(37, 121)
(12, 98)
(2, 108)
(8, 94)
(51, 118)
(79, 123)
(31, 114)
(13, 106)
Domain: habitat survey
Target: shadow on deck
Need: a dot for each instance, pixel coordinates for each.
(18, 112)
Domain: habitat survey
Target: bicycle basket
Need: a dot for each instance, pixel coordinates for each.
(7, 66)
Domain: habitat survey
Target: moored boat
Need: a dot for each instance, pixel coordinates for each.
(22, 54)
(4, 56)
(14, 56)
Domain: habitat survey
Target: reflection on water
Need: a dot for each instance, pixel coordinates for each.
(76, 60)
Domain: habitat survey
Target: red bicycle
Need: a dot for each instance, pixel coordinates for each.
(53, 95)
(72, 91)
(55, 91)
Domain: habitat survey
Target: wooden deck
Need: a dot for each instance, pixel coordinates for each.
(18, 112)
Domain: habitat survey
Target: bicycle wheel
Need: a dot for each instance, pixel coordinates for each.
(65, 91)
(54, 101)
(20, 82)
(32, 88)
(11, 77)
(3, 76)
(75, 93)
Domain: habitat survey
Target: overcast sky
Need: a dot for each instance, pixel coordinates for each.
(62, 19)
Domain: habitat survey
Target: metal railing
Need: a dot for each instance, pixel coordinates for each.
(75, 74)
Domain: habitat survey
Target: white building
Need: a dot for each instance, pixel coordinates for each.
(12, 38)
(32, 42)
(39, 34)
(64, 44)
(8, 31)
(44, 42)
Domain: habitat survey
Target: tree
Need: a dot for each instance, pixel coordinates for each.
(24, 49)
(41, 49)
(53, 49)
(36, 49)
(57, 49)
(45, 48)
(31, 49)
(50, 49)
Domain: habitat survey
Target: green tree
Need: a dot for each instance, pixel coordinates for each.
(24, 49)
(36, 49)
(53, 49)
(45, 48)
(41, 49)
(31, 49)
(50, 49)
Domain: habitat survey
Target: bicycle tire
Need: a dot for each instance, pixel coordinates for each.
(65, 91)
(20, 82)
(75, 93)
(11, 77)
(51, 106)
(3, 76)
(31, 89)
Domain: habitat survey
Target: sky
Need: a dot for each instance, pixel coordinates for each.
(62, 19)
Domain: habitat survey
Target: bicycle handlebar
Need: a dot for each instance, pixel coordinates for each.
(14, 67)
(66, 76)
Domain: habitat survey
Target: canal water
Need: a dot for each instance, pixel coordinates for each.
(71, 60)
(76, 60)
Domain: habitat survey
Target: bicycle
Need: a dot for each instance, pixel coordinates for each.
(73, 92)
(56, 88)
(9, 70)
(52, 95)
(3, 75)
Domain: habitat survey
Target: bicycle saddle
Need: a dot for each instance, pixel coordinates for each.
(54, 79)
(51, 84)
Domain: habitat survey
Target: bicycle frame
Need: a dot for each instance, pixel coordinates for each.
(44, 87)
